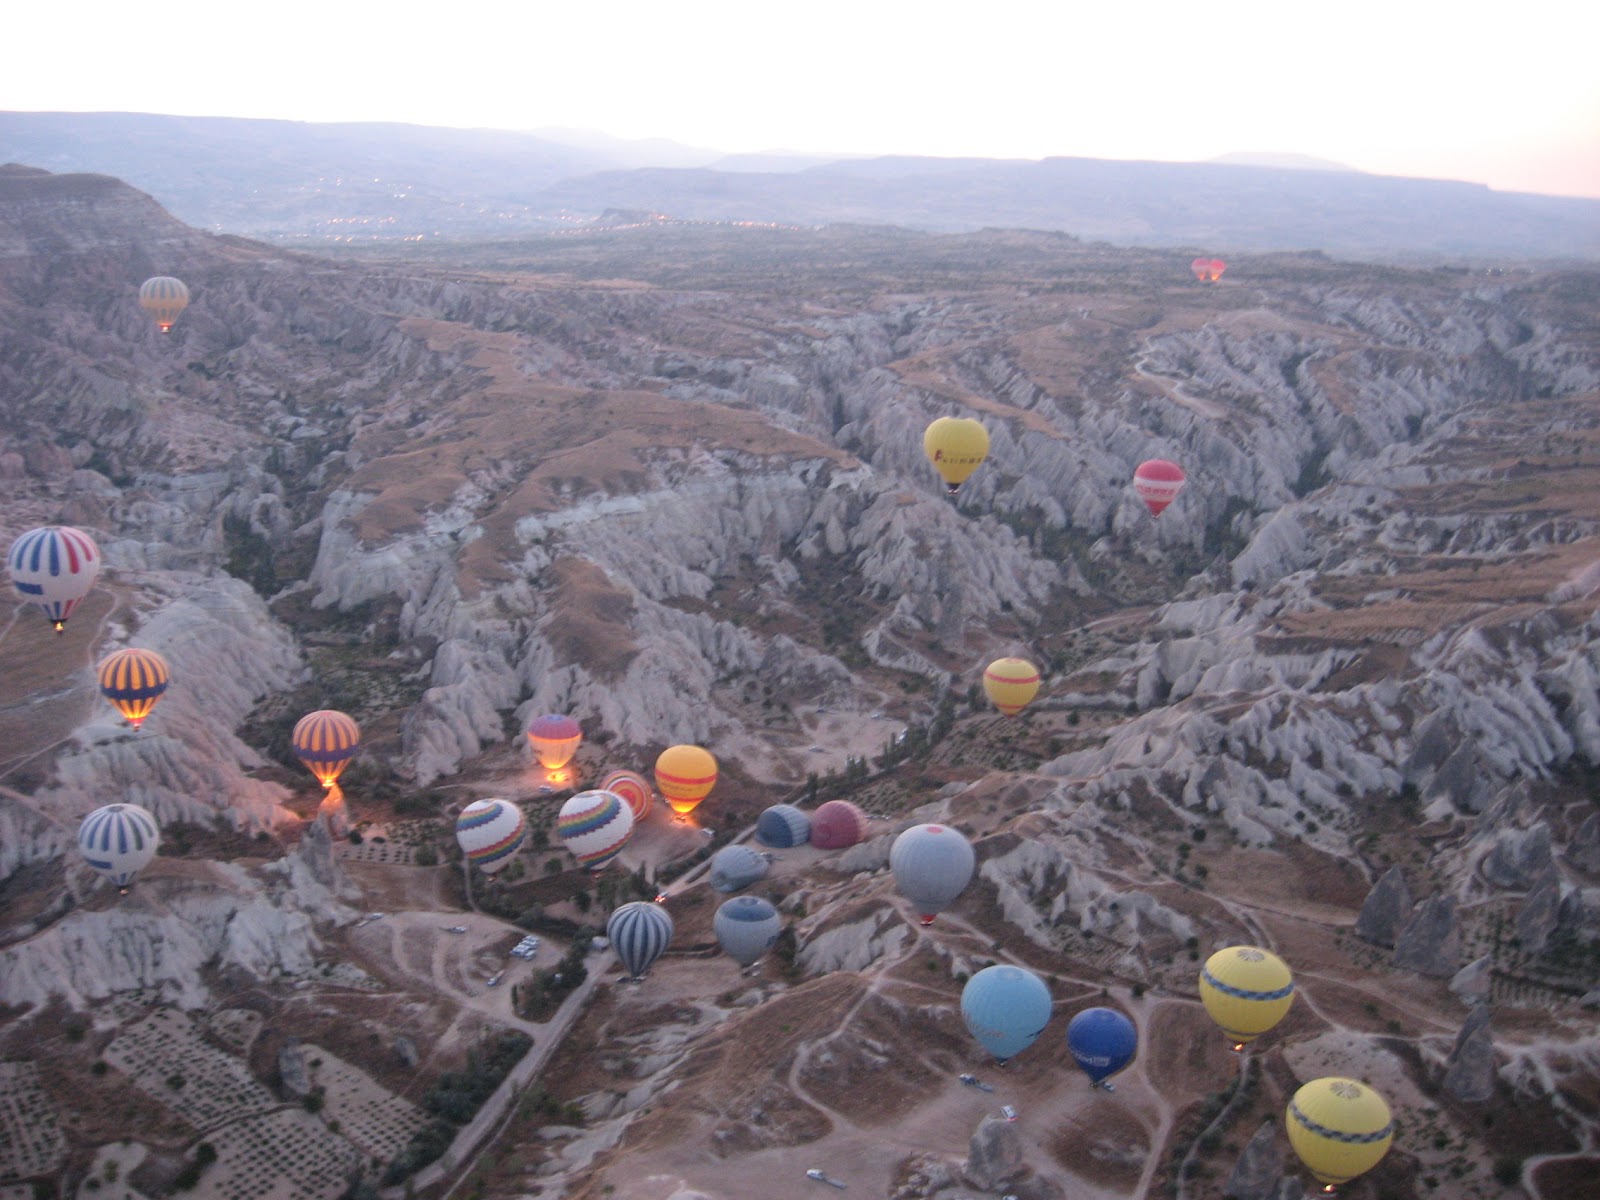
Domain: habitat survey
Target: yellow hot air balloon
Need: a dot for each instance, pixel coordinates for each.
(1340, 1128)
(684, 774)
(956, 446)
(326, 741)
(133, 680)
(1010, 683)
(1246, 990)
(164, 298)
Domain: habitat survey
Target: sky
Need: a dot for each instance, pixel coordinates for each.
(1507, 95)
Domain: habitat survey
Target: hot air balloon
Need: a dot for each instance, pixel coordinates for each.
(595, 826)
(1340, 1128)
(783, 826)
(1208, 270)
(684, 774)
(746, 927)
(640, 933)
(932, 865)
(490, 833)
(555, 740)
(1010, 683)
(736, 866)
(119, 841)
(164, 298)
(837, 824)
(54, 567)
(1006, 1008)
(1158, 483)
(1246, 990)
(133, 680)
(633, 788)
(326, 741)
(1102, 1042)
(956, 446)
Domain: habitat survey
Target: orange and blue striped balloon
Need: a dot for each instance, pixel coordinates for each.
(326, 741)
(164, 298)
(133, 680)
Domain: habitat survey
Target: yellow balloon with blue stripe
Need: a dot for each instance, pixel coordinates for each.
(1246, 990)
(1339, 1127)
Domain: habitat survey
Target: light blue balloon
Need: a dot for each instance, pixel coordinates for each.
(746, 927)
(1006, 1008)
(736, 866)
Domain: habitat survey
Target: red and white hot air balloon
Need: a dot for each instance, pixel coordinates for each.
(1208, 270)
(1158, 483)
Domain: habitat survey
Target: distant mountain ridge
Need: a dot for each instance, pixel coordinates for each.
(347, 182)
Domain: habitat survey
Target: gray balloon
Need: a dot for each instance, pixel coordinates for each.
(735, 867)
(746, 927)
(932, 865)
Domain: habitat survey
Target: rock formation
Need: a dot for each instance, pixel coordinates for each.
(1260, 1167)
(994, 1154)
(1471, 984)
(1430, 943)
(1386, 909)
(1470, 1070)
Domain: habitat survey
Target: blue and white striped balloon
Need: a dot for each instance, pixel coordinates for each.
(640, 933)
(119, 841)
(782, 827)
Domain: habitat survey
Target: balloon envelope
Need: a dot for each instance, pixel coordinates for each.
(54, 567)
(1208, 270)
(119, 841)
(640, 933)
(685, 774)
(164, 298)
(783, 826)
(490, 833)
(736, 866)
(1246, 990)
(1010, 684)
(932, 865)
(1006, 1008)
(595, 826)
(956, 446)
(1339, 1128)
(133, 680)
(746, 927)
(555, 740)
(1102, 1042)
(1158, 483)
(326, 741)
(634, 789)
(837, 824)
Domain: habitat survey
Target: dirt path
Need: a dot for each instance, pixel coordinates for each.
(39, 697)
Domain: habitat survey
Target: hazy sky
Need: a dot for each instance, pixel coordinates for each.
(1407, 87)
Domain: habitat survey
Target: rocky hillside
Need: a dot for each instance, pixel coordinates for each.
(672, 482)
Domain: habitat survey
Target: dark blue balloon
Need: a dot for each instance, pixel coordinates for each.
(1102, 1041)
